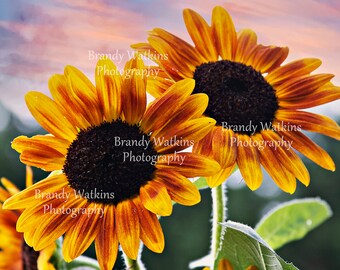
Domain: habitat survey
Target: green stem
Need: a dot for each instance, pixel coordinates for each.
(133, 264)
(219, 201)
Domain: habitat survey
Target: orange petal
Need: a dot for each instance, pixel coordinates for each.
(109, 84)
(322, 95)
(82, 234)
(156, 199)
(177, 67)
(49, 116)
(309, 121)
(223, 30)
(187, 52)
(267, 58)
(302, 86)
(283, 178)
(180, 189)
(201, 34)
(248, 162)
(204, 146)
(224, 146)
(107, 240)
(287, 157)
(160, 57)
(246, 42)
(128, 228)
(188, 164)
(308, 148)
(134, 91)
(193, 107)
(292, 70)
(161, 109)
(150, 229)
(184, 135)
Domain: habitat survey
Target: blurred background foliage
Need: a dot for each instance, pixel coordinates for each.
(187, 230)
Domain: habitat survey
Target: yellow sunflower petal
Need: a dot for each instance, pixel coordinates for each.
(66, 100)
(10, 187)
(156, 199)
(83, 233)
(223, 30)
(49, 116)
(44, 258)
(248, 162)
(287, 157)
(308, 148)
(40, 151)
(29, 176)
(201, 34)
(281, 176)
(180, 189)
(309, 121)
(158, 85)
(28, 196)
(224, 146)
(107, 240)
(151, 232)
(218, 178)
(55, 225)
(224, 264)
(85, 94)
(188, 164)
(134, 91)
(109, 84)
(128, 228)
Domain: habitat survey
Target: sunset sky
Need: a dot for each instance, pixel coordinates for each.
(38, 38)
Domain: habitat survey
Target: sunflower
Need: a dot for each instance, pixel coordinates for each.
(256, 101)
(119, 162)
(15, 254)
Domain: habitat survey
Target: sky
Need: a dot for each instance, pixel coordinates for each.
(39, 38)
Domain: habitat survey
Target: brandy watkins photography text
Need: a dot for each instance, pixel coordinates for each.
(145, 143)
(66, 195)
(251, 129)
(121, 56)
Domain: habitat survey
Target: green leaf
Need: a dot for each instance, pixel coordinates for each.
(243, 247)
(292, 221)
(201, 183)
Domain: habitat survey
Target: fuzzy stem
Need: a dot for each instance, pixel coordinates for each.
(133, 264)
(219, 201)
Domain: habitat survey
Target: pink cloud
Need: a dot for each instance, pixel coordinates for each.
(42, 39)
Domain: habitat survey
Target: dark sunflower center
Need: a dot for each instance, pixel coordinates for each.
(239, 96)
(29, 257)
(110, 162)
